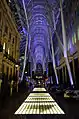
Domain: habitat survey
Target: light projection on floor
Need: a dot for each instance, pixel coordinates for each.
(39, 103)
(39, 89)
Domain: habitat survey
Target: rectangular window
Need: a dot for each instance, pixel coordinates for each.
(73, 40)
(77, 11)
(12, 54)
(4, 46)
(16, 40)
(6, 29)
(78, 33)
(11, 71)
(0, 16)
(13, 40)
(9, 35)
(74, 37)
(68, 45)
(2, 68)
(7, 72)
(8, 51)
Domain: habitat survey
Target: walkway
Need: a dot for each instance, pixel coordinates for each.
(39, 102)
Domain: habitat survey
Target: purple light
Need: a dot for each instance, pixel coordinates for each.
(39, 38)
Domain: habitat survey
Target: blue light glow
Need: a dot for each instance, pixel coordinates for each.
(38, 37)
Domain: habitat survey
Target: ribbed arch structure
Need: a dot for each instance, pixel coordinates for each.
(38, 30)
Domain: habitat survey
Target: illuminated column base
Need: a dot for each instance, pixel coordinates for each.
(69, 71)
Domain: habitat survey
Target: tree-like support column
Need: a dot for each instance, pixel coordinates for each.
(26, 39)
(54, 65)
(63, 46)
(64, 43)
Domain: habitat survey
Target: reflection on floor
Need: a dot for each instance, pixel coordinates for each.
(39, 103)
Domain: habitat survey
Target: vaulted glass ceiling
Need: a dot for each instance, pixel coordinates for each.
(38, 35)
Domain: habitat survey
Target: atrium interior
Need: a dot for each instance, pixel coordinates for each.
(39, 59)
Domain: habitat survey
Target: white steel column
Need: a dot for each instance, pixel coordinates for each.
(64, 43)
(26, 39)
(54, 65)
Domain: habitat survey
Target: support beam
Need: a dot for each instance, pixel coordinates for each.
(59, 42)
(63, 49)
(34, 65)
(54, 65)
(73, 63)
(58, 38)
(64, 43)
(59, 74)
(24, 64)
(63, 75)
(26, 39)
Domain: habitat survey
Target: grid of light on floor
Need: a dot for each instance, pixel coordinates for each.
(39, 89)
(39, 94)
(39, 103)
(38, 99)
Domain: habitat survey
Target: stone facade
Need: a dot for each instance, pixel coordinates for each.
(9, 45)
(71, 20)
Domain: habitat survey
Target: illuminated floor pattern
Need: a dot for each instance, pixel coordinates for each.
(39, 103)
(39, 89)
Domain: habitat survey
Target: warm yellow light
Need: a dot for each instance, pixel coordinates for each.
(8, 51)
(39, 89)
(4, 46)
(39, 103)
(74, 38)
(78, 33)
(16, 65)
